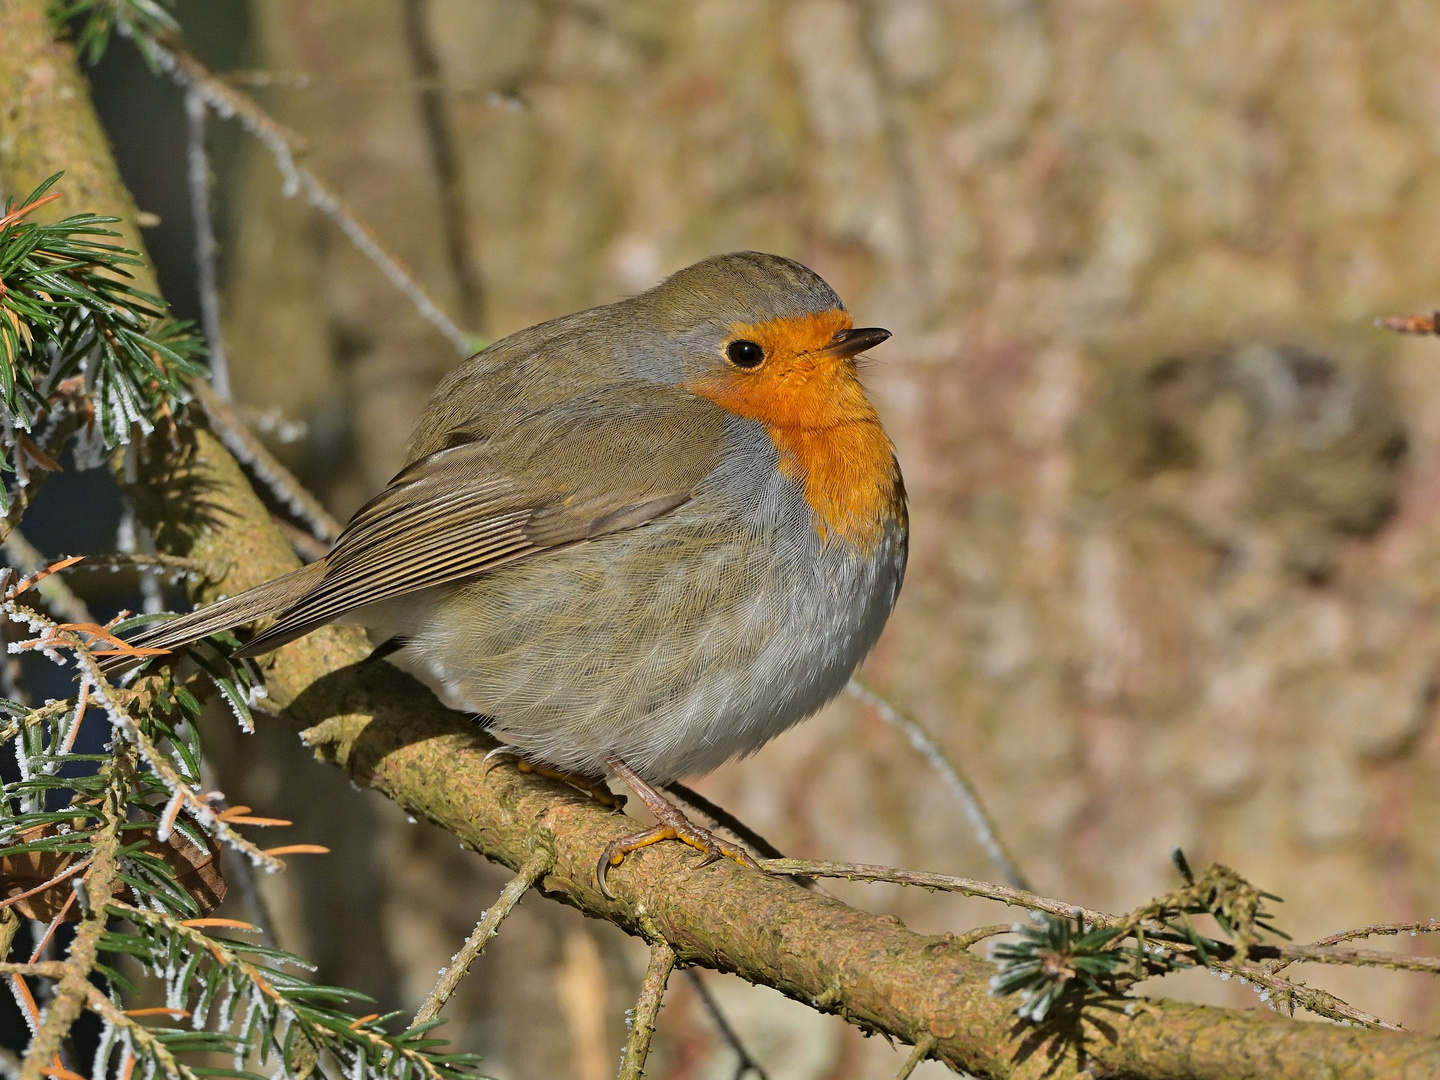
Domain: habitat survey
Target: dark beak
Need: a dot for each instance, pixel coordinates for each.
(850, 343)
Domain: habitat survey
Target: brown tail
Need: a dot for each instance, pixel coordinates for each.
(268, 599)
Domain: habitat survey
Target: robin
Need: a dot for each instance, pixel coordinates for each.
(642, 539)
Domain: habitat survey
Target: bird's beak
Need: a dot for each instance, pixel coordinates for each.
(848, 343)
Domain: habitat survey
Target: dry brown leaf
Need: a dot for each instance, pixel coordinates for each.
(196, 869)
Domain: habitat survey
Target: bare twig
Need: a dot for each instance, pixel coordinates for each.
(722, 818)
(46, 969)
(301, 542)
(440, 139)
(923, 1046)
(265, 467)
(193, 76)
(198, 173)
(1285, 995)
(745, 1065)
(147, 560)
(1429, 926)
(647, 1009)
(944, 882)
(1311, 954)
(980, 822)
(532, 871)
(980, 933)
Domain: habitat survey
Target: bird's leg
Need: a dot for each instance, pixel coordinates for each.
(672, 825)
(596, 789)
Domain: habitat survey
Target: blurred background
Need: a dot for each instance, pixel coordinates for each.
(1175, 501)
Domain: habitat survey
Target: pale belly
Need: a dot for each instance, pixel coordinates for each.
(675, 646)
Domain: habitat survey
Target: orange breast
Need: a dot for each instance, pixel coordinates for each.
(826, 431)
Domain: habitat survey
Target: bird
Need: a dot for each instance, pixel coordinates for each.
(639, 540)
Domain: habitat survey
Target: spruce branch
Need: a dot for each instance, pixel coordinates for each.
(73, 987)
(79, 342)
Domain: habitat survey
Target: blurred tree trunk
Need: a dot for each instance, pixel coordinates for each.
(1173, 576)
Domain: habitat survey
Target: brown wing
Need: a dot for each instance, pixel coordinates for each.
(613, 459)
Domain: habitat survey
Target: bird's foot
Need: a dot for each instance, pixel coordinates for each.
(596, 789)
(672, 824)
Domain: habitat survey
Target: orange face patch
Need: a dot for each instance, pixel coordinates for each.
(827, 432)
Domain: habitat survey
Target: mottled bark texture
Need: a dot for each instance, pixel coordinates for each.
(389, 733)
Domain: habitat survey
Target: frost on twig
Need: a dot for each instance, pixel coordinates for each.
(531, 872)
(642, 1018)
(136, 846)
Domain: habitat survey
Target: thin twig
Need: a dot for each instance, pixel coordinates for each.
(1285, 995)
(1310, 954)
(980, 933)
(444, 160)
(745, 1065)
(922, 1050)
(265, 467)
(944, 882)
(198, 173)
(1429, 926)
(647, 1009)
(980, 822)
(191, 75)
(41, 969)
(532, 871)
(69, 872)
(718, 815)
(147, 560)
(302, 542)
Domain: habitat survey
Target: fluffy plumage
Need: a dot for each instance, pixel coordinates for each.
(611, 540)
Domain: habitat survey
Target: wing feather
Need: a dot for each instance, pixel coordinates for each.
(612, 460)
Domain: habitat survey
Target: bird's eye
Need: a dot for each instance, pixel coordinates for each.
(745, 354)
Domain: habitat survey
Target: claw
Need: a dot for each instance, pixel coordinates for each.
(673, 825)
(500, 751)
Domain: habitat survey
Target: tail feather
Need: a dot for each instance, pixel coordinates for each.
(268, 599)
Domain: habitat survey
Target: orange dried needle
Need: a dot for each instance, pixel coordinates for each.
(41, 575)
(20, 211)
(231, 924)
(54, 924)
(41, 888)
(1411, 324)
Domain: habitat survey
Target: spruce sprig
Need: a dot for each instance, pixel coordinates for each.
(241, 999)
(79, 342)
(93, 22)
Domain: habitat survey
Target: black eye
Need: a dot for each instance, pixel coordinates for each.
(745, 354)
